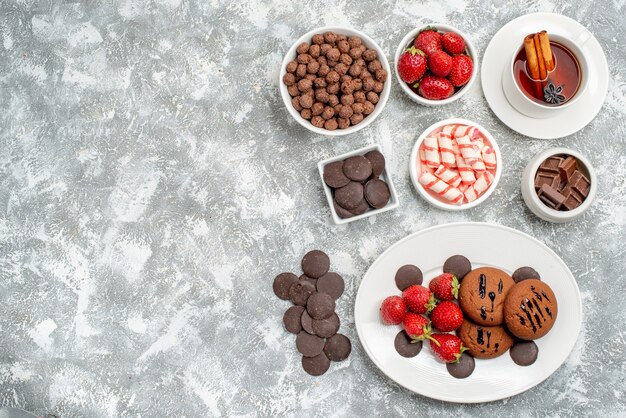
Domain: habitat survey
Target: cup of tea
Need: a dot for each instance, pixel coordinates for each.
(546, 74)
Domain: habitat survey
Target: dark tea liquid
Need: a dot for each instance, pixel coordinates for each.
(566, 74)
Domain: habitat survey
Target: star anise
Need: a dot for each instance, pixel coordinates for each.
(552, 94)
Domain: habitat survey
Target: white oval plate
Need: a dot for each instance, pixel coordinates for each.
(485, 245)
(498, 55)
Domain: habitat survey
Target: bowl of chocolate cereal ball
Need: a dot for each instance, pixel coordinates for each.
(335, 80)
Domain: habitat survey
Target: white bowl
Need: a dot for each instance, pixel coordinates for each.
(440, 203)
(537, 207)
(384, 95)
(408, 40)
(393, 196)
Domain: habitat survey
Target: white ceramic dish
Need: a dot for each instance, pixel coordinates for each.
(291, 54)
(408, 39)
(537, 207)
(492, 379)
(498, 57)
(393, 198)
(439, 203)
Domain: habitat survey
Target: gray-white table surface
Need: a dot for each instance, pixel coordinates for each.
(152, 184)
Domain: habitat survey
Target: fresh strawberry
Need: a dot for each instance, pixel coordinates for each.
(447, 316)
(440, 63)
(462, 67)
(392, 310)
(447, 347)
(435, 88)
(416, 326)
(418, 299)
(453, 43)
(445, 286)
(428, 40)
(412, 65)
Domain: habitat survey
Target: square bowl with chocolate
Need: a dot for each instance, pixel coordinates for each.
(559, 185)
(357, 184)
(334, 80)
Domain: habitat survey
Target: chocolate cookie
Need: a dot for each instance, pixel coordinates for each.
(293, 319)
(349, 196)
(357, 168)
(482, 294)
(525, 273)
(405, 346)
(377, 159)
(307, 322)
(484, 342)
(338, 347)
(282, 284)
(309, 345)
(457, 265)
(316, 366)
(326, 328)
(463, 368)
(300, 291)
(377, 193)
(315, 264)
(334, 176)
(408, 275)
(530, 309)
(320, 305)
(524, 353)
(332, 284)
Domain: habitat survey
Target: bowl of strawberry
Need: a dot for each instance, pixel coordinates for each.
(436, 64)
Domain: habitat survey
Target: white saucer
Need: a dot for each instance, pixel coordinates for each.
(498, 55)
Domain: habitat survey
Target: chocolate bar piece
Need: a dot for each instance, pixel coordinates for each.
(567, 168)
(572, 200)
(581, 183)
(550, 179)
(550, 196)
(552, 162)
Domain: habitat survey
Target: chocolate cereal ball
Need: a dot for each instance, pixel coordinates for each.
(345, 112)
(292, 66)
(305, 85)
(343, 46)
(341, 68)
(328, 112)
(337, 108)
(332, 77)
(368, 84)
(314, 51)
(293, 90)
(381, 75)
(368, 108)
(370, 55)
(322, 60)
(333, 88)
(324, 70)
(347, 87)
(324, 48)
(321, 95)
(372, 97)
(333, 100)
(333, 54)
(306, 113)
(356, 118)
(313, 67)
(358, 108)
(343, 123)
(295, 102)
(341, 37)
(317, 121)
(345, 59)
(311, 77)
(378, 87)
(347, 99)
(355, 70)
(306, 101)
(318, 39)
(345, 78)
(330, 124)
(301, 70)
(317, 108)
(359, 97)
(374, 65)
(354, 41)
(365, 74)
(357, 84)
(289, 79)
(330, 37)
(303, 48)
(355, 53)
(304, 58)
(320, 82)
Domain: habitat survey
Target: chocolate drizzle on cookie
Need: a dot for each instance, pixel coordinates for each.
(482, 284)
(483, 312)
(492, 296)
(500, 287)
(488, 338)
(479, 336)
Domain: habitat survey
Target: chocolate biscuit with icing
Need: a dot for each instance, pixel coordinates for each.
(530, 309)
(482, 294)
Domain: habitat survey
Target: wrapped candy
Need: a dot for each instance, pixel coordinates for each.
(445, 150)
(465, 171)
(431, 151)
(463, 187)
(489, 158)
(449, 130)
(423, 163)
(452, 194)
(469, 153)
(448, 175)
(478, 166)
(479, 187)
(461, 130)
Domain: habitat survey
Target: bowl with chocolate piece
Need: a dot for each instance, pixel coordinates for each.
(357, 184)
(334, 80)
(559, 185)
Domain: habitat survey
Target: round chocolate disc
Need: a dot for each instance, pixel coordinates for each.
(341, 212)
(316, 366)
(328, 327)
(524, 353)
(305, 278)
(309, 345)
(293, 319)
(349, 196)
(307, 322)
(408, 275)
(338, 347)
(357, 168)
(405, 346)
(377, 193)
(282, 284)
(332, 284)
(362, 208)
(315, 264)
(525, 273)
(463, 368)
(377, 159)
(300, 291)
(320, 305)
(333, 175)
(457, 265)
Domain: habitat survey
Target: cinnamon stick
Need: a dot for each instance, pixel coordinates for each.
(543, 74)
(531, 57)
(544, 41)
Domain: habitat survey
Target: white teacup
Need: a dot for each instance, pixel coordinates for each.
(524, 104)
